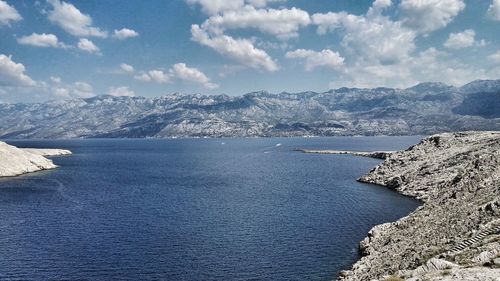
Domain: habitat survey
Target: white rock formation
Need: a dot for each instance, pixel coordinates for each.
(15, 161)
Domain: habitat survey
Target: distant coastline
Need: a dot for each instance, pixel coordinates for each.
(424, 109)
(371, 154)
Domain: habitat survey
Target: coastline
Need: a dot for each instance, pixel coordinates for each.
(455, 234)
(371, 154)
(18, 161)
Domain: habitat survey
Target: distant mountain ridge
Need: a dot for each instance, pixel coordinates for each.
(426, 108)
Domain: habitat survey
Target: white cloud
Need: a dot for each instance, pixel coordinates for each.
(83, 90)
(428, 65)
(495, 57)
(158, 76)
(13, 74)
(262, 3)
(371, 37)
(185, 73)
(326, 58)
(381, 4)
(42, 40)
(69, 18)
(8, 14)
(460, 40)
(178, 71)
(283, 23)
(429, 15)
(88, 46)
(120, 92)
(143, 77)
(240, 50)
(56, 87)
(213, 7)
(55, 79)
(381, 51)
(127, 68)
(125, 33)
(494, 10)
(61, 92)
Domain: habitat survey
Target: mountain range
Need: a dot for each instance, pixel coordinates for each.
(424, 109)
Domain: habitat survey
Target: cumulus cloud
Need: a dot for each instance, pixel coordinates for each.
(55, 79)
(183, 72)
(8, 14)
(212, 7)
(88, 46)
(120, 92)
(56, 87)
(142, 77)
(429, 15)
(127, 68)
(71, 20)
(494, 10)
(495, 57)
(371, 37)
(125, 33)
(83, 89)
(13, 74)
(460, 40)
(283, 23)
(159, 76)
(424, 66)
(326, 58)
(179, 71)
(240, 50)
(381, 51)
(42, 40)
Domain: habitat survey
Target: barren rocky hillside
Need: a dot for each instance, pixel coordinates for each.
(455, 234)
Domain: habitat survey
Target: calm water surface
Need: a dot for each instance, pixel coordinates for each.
(194, 209)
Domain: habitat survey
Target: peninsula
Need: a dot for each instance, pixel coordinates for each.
(371, 154)
(17, 161)
(455, 234)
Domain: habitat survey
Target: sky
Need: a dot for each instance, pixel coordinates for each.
(63, 49)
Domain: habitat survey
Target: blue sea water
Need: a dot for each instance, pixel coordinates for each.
(194, 209)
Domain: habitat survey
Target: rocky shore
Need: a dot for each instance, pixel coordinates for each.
(17, 161)
(455, 234)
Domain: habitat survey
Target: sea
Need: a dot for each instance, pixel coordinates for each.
(194, 209)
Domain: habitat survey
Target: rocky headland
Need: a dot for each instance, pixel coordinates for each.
(455, 234)
(17, 161)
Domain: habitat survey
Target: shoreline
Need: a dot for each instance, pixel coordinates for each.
(18, 161)
(455, 234)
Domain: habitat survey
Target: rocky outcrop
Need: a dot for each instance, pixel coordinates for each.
(47, 151)
(455, 234)
(16, 161)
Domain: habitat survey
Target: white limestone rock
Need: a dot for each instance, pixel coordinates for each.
(15, 161)
(454, 235)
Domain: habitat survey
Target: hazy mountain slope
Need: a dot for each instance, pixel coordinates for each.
(423, 109)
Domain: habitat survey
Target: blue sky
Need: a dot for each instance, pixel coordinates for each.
(79, 48)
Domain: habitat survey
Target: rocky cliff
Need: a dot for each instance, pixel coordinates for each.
(455, 234)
